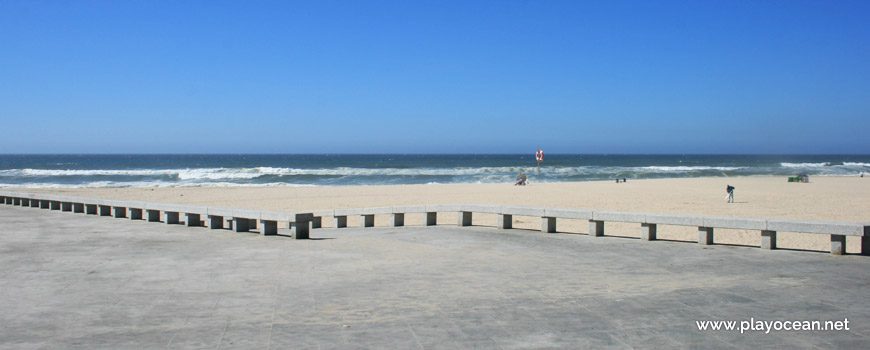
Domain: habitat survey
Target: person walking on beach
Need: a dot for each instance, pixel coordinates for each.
(730, 196)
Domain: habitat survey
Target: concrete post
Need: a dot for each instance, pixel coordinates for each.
(230, 222)
(65, 206)
(215, 222)
(270, 228)
(44, 204)
(120, 212)
(303, 226)
(768, 239)
(548, 224)
(340, 221)
(153, 215)
(705, 235)
(505, 221)
(430, 218)
(90, 209)
(596, 228)
(317, 222)
(78, 207)
(171, 217)
(241, 224)
(135, 214)
(105, 210)
(367, 220)
(648, 232)
(54, 205)
(193, 219)
(865, 241)
(397, 219)
(838, 244)
(464, 218)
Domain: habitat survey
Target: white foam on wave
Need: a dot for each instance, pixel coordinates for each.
(856, 164)
(218, 174)
(679, 169)
(491, 174)
(92, 172)
(111, 184)
(805, 165)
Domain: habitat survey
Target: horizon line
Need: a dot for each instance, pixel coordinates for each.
(434, 154)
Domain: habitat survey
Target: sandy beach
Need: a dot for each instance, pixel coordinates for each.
(823, 199)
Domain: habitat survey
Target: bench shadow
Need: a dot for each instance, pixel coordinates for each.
(287, 235)
(757, 247)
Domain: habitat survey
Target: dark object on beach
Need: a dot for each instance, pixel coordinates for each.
(624, 180)
(800, 178)
(522, 179)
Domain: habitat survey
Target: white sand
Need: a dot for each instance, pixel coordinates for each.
(824, 199)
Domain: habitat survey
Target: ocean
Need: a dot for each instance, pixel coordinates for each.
(213, 170)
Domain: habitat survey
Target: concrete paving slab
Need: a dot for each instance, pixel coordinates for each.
(85, 282)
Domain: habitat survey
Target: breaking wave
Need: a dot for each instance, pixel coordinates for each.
(805, 165)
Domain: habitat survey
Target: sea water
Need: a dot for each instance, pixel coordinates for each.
(215, 170)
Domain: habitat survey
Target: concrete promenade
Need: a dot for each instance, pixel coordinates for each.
(82, 282)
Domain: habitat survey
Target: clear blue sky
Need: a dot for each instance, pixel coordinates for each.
(434, 76)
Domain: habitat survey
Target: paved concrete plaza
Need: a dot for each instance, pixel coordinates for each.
(71, 281)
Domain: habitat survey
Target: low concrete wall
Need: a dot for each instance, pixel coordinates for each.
(649, 222)
(304, 221)
(171, 212)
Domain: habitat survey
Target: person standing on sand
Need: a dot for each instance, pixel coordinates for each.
(730, 196)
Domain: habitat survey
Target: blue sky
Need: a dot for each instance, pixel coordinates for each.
(434, 76)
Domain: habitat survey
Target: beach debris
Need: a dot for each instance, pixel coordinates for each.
(345, 326)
